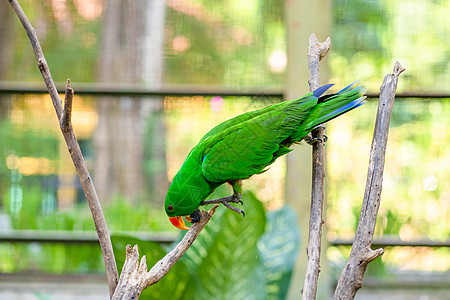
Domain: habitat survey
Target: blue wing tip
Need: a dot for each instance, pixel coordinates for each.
(317, 93)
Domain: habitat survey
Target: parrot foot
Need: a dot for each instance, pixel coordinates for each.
(235, 198)
(195, 216)
(234, 208)
(311, 141)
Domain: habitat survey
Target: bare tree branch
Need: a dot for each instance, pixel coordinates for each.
(316, 52)
(134, 277)
(64, 117)
(362, 254)
(67, 114)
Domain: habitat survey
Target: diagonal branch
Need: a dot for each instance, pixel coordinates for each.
(362, 254)
(64, 117)
(316, 52)
(134, 277)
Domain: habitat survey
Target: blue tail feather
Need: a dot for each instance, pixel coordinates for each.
(348, 107)
(345, 107)
(349, 87)
(358, 105)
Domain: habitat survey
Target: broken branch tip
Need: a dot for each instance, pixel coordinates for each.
(398, 69)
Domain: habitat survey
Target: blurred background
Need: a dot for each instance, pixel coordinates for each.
(151, 77)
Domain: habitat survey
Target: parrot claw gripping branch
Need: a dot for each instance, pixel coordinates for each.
(310, 140)
(226, 202)
(235, 198)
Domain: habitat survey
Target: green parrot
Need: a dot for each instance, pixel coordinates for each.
(246, 144)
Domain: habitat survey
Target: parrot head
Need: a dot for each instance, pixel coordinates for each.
(176, 210)
(184, 196)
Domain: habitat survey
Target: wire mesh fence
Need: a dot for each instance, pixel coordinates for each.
(134, 142)
(41, 191)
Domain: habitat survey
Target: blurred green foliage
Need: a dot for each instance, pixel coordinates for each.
(228, 43)
(368, 36)
(71, 43)
(121, 215)
(72, 258)
(415, 184)
(50, 258)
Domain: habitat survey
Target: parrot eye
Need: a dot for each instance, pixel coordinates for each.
(170, 207)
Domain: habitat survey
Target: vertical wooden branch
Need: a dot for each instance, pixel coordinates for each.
(64, 118)
(316, 52)
(362, 254)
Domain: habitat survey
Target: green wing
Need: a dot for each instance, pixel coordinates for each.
(245, 150)
(248, 147)
(250, 115)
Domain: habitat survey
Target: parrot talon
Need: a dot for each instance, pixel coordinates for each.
(311, 141)
(235, 198)
(319, 126)
(195, 216)
(233, 208)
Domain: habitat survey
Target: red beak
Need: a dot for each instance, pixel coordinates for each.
(178, 222)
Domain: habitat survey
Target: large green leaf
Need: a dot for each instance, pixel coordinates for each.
(278, 249)
(194, 256)
(230, 268)
(200, 248)
(174, 285)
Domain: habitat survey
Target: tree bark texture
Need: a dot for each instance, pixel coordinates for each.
(361, 254)
(316, 52)
(63, 116)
